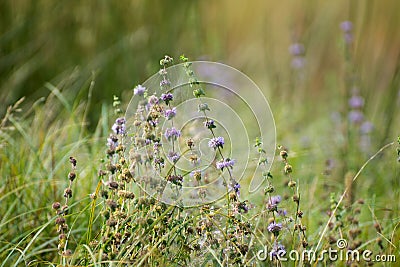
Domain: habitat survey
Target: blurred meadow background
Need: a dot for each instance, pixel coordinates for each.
(68, 59)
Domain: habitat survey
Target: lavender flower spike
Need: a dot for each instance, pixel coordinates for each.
(216, 142)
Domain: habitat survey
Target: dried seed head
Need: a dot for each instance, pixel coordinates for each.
(68, 192)
(111, 222)
(292, 184)
(126, 194)
(71, 176)
(104, 194)
(56, 205)
(269, 189)
(378, 227)
(73, 161)
(113, 185)
(102, 173)
(284, 154)
(111, 168)
(296, 198)
(288, 169)
(62, 237)
(64, 209)
(67, 253)
(112, 204)
(190, 142)
(232, 196)
(60, 220)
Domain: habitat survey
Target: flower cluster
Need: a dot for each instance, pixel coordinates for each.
(139, 90)
(227, 163)
(119, 126)
(216, 142)
(274, 228)
(172, 133)
(168, 97)
(273, 202)
(170, 113)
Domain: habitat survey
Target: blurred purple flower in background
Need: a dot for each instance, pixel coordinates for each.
(296, 49)
(139, 90)
(356, 102)
(356, 116)
(170, 113)
(366, 127)
(172, 133)
(347, 28)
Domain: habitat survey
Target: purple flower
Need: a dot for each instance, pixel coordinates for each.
(278, 251)
(112, 142)
(173, 156)
(282, 213)
(243, 207)
(139, 90)
(366, 127)
(235, 186)
(296, 49)
(156, 146)
(210, 124)
(225, 163)
(298, 62)
(167, 98)
(356, 116)
(120, 121)
(274, 227)
(170, 113)
(172, 133)
(119, 126)
(356, 102)
(273, 202)
(346, 26)
(165, 82)
(216, 142)
(153, 100)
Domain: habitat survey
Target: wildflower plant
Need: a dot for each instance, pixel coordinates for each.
(173, 170)
(180, 181)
